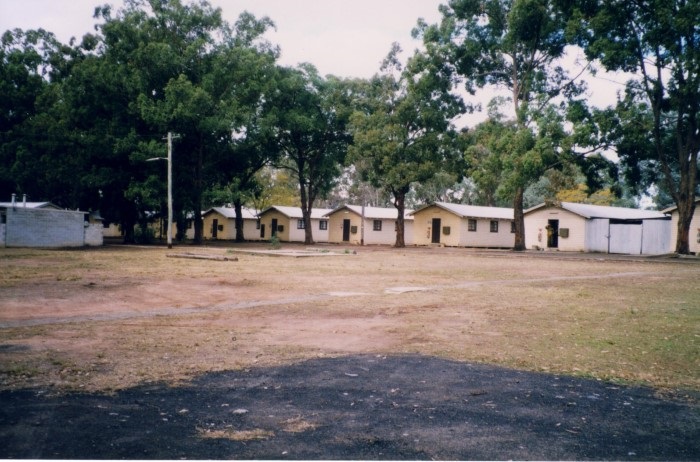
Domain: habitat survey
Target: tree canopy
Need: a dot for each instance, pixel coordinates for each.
(655, 126)
(403, 132)
(78, 121)
(515, 44)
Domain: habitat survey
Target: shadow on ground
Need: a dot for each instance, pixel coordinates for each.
(358, 407)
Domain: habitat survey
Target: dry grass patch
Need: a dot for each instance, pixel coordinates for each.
(297, 425)
(235, 435)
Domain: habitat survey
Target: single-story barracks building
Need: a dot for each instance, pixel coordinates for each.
(287, 223)
(220, 223)
(460, 225)
(43, 224)
(354, 224)
(573, 227)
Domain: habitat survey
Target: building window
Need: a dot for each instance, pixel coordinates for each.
(323, 225)
(471, 224)
(257, 224)
(512, 227)
(494, 226)
(300, 224)
(377, 225)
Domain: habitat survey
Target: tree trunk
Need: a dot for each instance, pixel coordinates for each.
(128, 222)
(306, 204)
(685, 198)
(519, 220)
(685, 216)
(197, 199)
(238, 207)
(400, 204)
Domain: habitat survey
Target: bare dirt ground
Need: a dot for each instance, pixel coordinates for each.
(108, 320)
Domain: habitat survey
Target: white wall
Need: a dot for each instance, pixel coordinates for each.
(32, 227)
(483, 237)
(536, 229)
(655, 238)
(626, 238)
(597, 235)
(93, 235)
(387, 236)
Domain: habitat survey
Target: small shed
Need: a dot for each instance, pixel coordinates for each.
(287, 223)
(220, 223)
(43, 224)
(573, 227)
(694, 232)
(355, 224)
(460, 225)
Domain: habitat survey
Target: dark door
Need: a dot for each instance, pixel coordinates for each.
(346, 230)
(215, 228)
(553, 234)
(437, 223)
(273, 231)
(262, 230)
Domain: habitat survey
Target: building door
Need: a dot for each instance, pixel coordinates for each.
(553, 234)
(273, 231)
(346, 230)
(214, 228)
(262, 231)
(437, 223)
(625, 237)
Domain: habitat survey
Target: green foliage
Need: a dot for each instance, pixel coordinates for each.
(402, 129)
(515, 45)
(655, 126)
(311, 131)
(101, 107)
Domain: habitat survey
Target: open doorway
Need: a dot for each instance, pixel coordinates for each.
(435, 237)
(553, 234)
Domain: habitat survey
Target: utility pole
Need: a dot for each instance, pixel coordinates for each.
(170, 139)
(170, 190)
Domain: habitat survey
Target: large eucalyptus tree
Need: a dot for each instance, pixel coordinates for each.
(403, 131)
(656, 124)
(516, 45)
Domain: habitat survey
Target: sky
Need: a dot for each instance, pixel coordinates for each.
(346, 38)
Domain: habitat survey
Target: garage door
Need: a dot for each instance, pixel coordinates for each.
(626, 238)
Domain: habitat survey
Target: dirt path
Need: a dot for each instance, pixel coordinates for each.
(170, 311)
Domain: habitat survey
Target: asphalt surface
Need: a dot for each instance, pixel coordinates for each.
(358, 407)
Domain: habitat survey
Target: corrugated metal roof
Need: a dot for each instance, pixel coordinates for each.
(31, 205)
(230, 212)
(374, 213)
(604, 211)
(473, 211)
(675, 207)
(295, 212)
